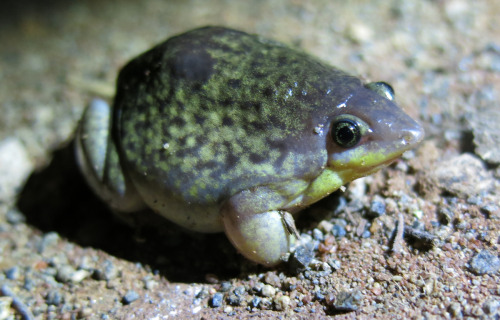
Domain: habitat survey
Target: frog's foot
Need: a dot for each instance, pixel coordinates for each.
(261, 237)
(99, 160)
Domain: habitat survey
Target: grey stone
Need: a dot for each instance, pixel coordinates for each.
(484, 263)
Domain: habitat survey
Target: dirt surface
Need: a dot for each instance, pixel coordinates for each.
(418, 240)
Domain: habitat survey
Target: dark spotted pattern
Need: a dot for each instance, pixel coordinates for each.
(215, 111)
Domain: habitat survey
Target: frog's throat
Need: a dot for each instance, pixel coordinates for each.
(327, 182)
(339, 173)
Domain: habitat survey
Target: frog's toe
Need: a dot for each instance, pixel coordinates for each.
(263, 238)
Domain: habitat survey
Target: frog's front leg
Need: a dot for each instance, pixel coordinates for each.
(99, 159)
(256, 228)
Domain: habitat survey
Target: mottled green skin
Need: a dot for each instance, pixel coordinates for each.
(236, 112)
(218, 130)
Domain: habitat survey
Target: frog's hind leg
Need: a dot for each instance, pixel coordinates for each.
(99, 160)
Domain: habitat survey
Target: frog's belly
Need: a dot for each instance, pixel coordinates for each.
(196, 217)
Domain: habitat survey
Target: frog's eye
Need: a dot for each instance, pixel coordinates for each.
(382, 88)
(346, 132)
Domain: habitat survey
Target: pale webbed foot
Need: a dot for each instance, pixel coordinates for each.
(261, 237)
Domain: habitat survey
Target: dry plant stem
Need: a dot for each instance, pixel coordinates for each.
(17, 303)
(421, 235)
(398, 239)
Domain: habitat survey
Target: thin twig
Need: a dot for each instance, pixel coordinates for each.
(398, 239)
(17, 303)
(421, 235)
(290, 223)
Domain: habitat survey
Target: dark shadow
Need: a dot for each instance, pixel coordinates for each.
(58, 199)
(467, 142)
(325, 209)
(14, 12)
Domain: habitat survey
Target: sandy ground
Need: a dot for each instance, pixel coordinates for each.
(418, 240)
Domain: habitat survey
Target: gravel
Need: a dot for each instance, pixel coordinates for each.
(377, 208)
(485, 262)
(15, 167)
(301, 258)
(217, 300)
(130, 297)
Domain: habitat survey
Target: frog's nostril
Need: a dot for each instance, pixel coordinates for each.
(413, 136)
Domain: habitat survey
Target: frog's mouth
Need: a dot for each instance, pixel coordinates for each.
(369, 158)
(338, 174)
(351, 171)
(373, 155)
(350, 164)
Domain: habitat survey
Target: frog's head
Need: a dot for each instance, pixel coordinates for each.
(369, 131)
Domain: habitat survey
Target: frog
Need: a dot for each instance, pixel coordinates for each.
(219, 130)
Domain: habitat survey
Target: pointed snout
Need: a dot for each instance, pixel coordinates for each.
(412, 135)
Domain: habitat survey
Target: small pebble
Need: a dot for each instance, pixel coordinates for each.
(257, 287)
(491, 210)
(335, 264)
(338, 231)
(455, 309)
(15, 167)
(268, 291)
(5, 308)
(491, 307)
(87, 263)
(486, 133)
(85, 313)
(15, 217)
(348, 301)
(325, 226)
(484, 263)
(282, 303)
(150, 284)
(330, 299)
(74, 276)
(79, 275)
(234, 300)
(255, 302)
(240, 291)
(377, 209)
(301, 258)
(54, 298)
(225, 286)
(325, 268)
(108, 271)
(272, 279)
(265, 304)
(290, 283)
(64, 273)
(12, 273)
(445, 215)
(216, 300)
(202, 294)
(319, 296)
(317, 234)
(130, 297)
(48, 240)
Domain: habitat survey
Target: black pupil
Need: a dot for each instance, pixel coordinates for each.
(346, 133)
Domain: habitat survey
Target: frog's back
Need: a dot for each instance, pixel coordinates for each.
(215, 111)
